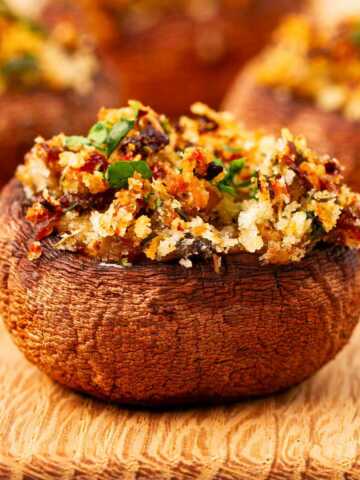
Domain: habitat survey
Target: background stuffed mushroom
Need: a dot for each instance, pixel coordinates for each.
(51, 78)
(171, 54)
(309, 80)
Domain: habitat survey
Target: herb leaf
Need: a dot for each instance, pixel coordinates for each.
(76, 141)
(225, 188)
(117, 133)
(98, 134)
(136, 107)
(143, 168)
(236, 166)
(119, 173)
(227, 184)
(218, 162)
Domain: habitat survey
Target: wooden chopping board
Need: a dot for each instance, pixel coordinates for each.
(311, 432)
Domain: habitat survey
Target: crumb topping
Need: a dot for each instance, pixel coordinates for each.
(141, 187)
(31, 57)
(316, 63)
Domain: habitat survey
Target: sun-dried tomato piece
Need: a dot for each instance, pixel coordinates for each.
(95, 161)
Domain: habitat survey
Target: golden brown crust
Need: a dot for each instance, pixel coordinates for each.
(179, 60)
(160, 334)
(328, 132)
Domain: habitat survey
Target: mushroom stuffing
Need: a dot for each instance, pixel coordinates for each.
(139, 187)
(32, 57)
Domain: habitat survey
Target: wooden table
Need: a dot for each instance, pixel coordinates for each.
(310, 432)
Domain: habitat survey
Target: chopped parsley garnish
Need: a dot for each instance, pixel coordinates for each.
(226, 185)
(143, 168)
(223, 187)
(76, 141)
(218, 162)
(117, 133)
(136, 107)
(102, 137)
(236, 166)
(98, 134)
(119, 173)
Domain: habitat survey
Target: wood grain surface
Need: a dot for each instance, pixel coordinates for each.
(310, 432)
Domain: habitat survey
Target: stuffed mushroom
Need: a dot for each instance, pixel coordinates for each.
(51, 79)
(156, 263)
(308, 80)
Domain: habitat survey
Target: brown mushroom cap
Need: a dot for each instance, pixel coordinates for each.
(159, 334)
(327, 132)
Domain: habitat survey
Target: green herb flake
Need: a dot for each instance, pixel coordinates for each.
(218, 162)
(143, 168)
(225, 188)
(117, 133)
(118, 174)
(227, 184)
(236, 166)
(76, 141)
(136, 107)
(98, 134)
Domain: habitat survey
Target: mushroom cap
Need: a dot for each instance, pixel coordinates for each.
(327, 132)
(158, 334)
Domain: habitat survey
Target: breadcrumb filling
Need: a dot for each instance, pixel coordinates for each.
(140, 187)
(317, 63)
(31, 57)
